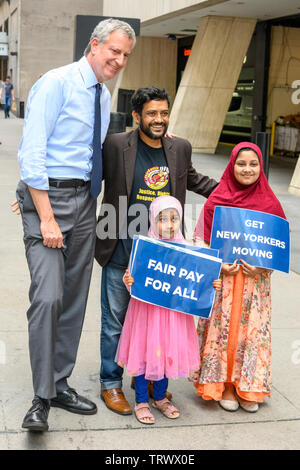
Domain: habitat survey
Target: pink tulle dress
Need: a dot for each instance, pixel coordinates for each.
(156, 341)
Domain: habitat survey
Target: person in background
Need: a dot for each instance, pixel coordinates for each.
(7, 96)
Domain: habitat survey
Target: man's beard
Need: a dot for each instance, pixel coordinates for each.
(149, 133)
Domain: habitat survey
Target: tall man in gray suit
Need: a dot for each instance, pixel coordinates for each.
(137, 166)
(66, 121)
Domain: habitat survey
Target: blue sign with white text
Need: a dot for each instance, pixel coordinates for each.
(174, 276)
(199, 249)
(260, 239)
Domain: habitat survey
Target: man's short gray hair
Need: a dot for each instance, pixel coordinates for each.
(106, 27)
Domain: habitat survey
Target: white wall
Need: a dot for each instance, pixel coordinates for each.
(48, 36)
(144, 9)
(284, 70)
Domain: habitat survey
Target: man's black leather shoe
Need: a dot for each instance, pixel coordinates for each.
(37, 416)
(69, 400)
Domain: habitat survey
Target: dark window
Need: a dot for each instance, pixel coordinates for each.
(235, 103)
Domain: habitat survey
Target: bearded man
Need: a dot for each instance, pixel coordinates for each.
(138, 166)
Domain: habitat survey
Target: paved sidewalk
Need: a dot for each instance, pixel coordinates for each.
(202, 425)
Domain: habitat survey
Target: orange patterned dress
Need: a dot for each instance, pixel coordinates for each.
(235, 342)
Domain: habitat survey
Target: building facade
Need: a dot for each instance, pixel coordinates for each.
(212, 79)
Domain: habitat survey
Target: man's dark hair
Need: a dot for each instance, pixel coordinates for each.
(143, 95)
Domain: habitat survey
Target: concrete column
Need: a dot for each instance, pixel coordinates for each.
(209, 79)
(152, 62)
(46, 36)
(294, 187)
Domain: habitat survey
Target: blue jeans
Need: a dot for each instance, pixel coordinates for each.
(7, 105)
(114, 303)
(141, 389)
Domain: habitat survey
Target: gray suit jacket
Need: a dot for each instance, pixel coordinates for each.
(119, 155)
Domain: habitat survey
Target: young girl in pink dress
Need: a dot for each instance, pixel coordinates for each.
(157, 343)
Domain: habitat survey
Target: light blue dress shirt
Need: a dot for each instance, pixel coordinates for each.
(59, 125)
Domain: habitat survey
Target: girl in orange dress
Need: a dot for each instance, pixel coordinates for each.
(235, 342)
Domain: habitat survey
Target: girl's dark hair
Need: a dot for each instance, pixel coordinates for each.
(143, 95)
(246, 148)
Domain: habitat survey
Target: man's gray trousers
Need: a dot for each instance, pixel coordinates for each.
(60, 280)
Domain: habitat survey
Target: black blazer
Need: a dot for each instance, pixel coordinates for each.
(119, 155)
